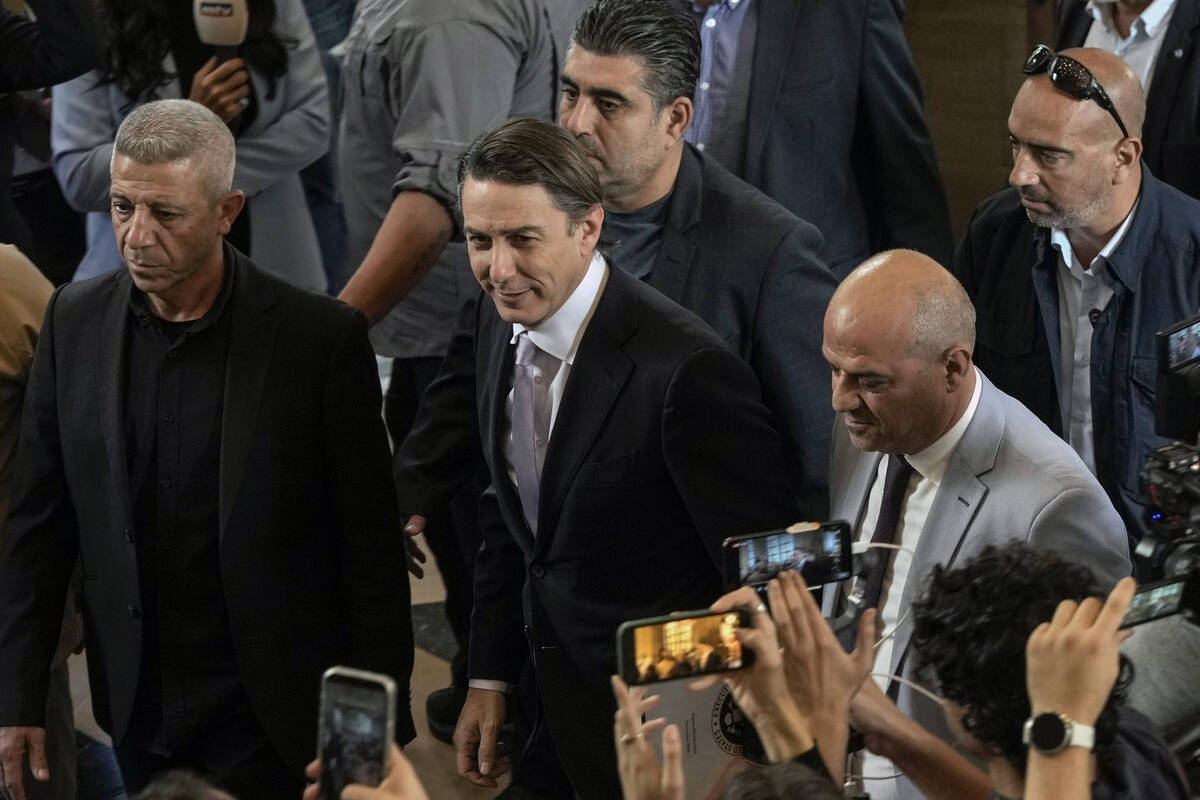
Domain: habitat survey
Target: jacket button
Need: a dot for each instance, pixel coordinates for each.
(134, 611)
(538, 570)
(128, 534)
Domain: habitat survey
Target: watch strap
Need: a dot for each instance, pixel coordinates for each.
(1075, 734)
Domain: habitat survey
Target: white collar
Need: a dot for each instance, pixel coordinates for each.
(559, 333)
(933, 460)
(1150, 20)
(1059, 238)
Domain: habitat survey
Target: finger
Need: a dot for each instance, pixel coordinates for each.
(487, 747)
(864, 648)
(707, 682)
(794, 590)
(205, 68)
(743, 596)
(311, 791)
(226, 69)
(230, 94)
(1116, 605)
(415, 551)
(672, 772)
(781, 614)
(1123, 635)
(1037, 639)
(415, 525)
(38, 764)
(1063, 614)
(1086, 613)
(313, 770)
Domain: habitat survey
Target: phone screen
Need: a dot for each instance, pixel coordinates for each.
(821, 555)
(354, 733)
(682, 647)
(1155, 602)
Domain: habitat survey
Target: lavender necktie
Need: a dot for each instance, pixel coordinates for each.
(532, 375)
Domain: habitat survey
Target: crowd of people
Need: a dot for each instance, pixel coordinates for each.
(646, 275)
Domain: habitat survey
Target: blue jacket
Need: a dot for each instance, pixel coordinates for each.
(1008, 268)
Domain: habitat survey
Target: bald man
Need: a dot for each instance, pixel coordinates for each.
(928, 455)
(1077, 265)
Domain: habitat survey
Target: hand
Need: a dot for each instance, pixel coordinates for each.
(641, 776)
(821, 676)
(475, 737)
(761, 690)
(412, 529)
(15, 743)
(1071, 662)
(222, 89)
(400, 782)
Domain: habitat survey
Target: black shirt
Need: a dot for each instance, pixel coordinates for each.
(634, 236)
(174, 397)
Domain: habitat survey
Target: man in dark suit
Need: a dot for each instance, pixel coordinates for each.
(624, 442)
(682, 223)
(1167, 55)
(818, 103)
(206, 440)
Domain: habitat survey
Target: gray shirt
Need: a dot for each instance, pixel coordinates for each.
(423, 78)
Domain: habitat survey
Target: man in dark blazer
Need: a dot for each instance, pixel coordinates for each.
(1171, 133)
(206, 440)
(655, 443)
(1083, 211)
(832, 124)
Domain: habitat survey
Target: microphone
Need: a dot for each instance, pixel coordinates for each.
(222, 24)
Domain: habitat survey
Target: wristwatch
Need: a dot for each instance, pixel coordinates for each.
(1050, 732)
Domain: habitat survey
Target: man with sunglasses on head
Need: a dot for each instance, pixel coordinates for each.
(1076, 266)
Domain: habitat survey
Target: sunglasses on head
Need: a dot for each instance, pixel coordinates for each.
(1068, 75)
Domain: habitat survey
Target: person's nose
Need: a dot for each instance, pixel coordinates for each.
(1024, 171)
(578, 118)
(140, 230)
(503, 267)
(845, 395)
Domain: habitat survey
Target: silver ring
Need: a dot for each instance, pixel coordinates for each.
(630, 738)
(762, 609)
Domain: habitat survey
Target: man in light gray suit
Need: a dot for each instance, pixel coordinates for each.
(930, 457)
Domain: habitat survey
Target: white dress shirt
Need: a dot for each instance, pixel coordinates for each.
(1080, 292)
(1140, 49)
(929, 466)
(559, 335)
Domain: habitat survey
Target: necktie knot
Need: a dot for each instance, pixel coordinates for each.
(526, 350)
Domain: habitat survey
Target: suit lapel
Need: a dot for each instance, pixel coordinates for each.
(1180, 37)
(600, 371)
(776, 22)
(955, 505)
(676, 254)
(493, 399)
(251, 339)
(111, 362)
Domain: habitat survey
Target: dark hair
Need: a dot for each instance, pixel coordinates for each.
(138, 37)
(180, 785)
(783, 781)
(528, 151)
(665, 39)
(971, 626)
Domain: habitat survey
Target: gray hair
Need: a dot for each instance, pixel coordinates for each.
(943, 317)
(180, 130)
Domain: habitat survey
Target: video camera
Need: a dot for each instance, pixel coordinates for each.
(1171, 476)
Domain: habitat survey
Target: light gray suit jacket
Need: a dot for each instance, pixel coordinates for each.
(1009, 478)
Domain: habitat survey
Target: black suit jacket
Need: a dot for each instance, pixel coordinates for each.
(836, 129)
(661, 449)
(753, 272)
(312, 563)
(1171, 134)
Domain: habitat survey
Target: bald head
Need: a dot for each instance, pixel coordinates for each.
(1118, 80)
(907, 297)
(898, 336)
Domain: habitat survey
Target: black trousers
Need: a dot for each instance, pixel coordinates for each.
(229, 749)
(452, 533)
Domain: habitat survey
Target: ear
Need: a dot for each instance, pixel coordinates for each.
(958, 367)
(589, 229)
(1128, 159)
(229, 207)
(678, 116)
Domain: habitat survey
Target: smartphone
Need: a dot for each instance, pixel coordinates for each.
(820, 553)
(682, 645)
(1160, 599)
(357, 724)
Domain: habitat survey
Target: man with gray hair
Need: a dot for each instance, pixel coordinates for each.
(929, 457)
(205, 438)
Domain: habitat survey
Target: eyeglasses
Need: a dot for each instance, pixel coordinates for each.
(1070, 76)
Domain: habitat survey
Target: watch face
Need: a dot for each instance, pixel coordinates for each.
(1048, 732)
